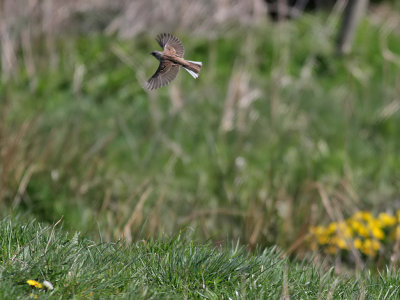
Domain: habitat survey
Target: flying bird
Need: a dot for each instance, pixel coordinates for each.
(171, 59)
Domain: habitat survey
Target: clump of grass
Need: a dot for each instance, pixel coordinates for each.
(169, 268)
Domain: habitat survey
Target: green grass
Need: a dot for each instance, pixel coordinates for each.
(167, 268)
(242, 153)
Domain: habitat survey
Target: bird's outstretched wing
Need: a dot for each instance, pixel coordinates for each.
(171, 44)
(165, 73)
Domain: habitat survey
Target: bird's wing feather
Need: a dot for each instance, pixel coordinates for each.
(171, 44)
(165, 73)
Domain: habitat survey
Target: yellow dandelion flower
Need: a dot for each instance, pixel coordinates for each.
(363, 231)
(355, 225)
(366, 215)
(34, 283)
(362, 215)
(332, 227)
(344, 230)
(317, 230)
(376, 245)
(357, 243)
(386, 219)
(320, 234)
(323, 239)
(375, 223)
(370, 247)
(347, 233)
(368, 251)
(377, 233)
(368, 243)
(341, 243)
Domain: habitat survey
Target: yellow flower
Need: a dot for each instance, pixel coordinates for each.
(376, 245)
(320, 234)
(341, 243)
(323, 239)
(398, 215)
(363, 231)
(34, 283)
(344, 230)
(378, 233)
(375, 222)
(354, 224)
(357, 243)
(387, 220)
(370, 247)
(362, 215)
(317, 230)
(366, 215)
(332, 227)
(368, 251)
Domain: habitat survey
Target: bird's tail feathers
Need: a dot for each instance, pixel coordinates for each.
(194, 74)
(196, 62)
(194, 68)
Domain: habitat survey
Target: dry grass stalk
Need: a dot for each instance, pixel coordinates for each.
(337, 216)
(240, 96)
(136, 217)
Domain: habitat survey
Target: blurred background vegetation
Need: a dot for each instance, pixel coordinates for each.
(278, 134)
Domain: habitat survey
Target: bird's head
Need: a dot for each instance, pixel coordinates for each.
(156, 54)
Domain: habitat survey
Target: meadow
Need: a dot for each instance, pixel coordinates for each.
(279, 134)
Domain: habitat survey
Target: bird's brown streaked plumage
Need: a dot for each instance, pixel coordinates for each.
(171, 44)
(165, 73)
(171, 58)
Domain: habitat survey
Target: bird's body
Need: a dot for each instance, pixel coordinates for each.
(171, 59)
(193, 66)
